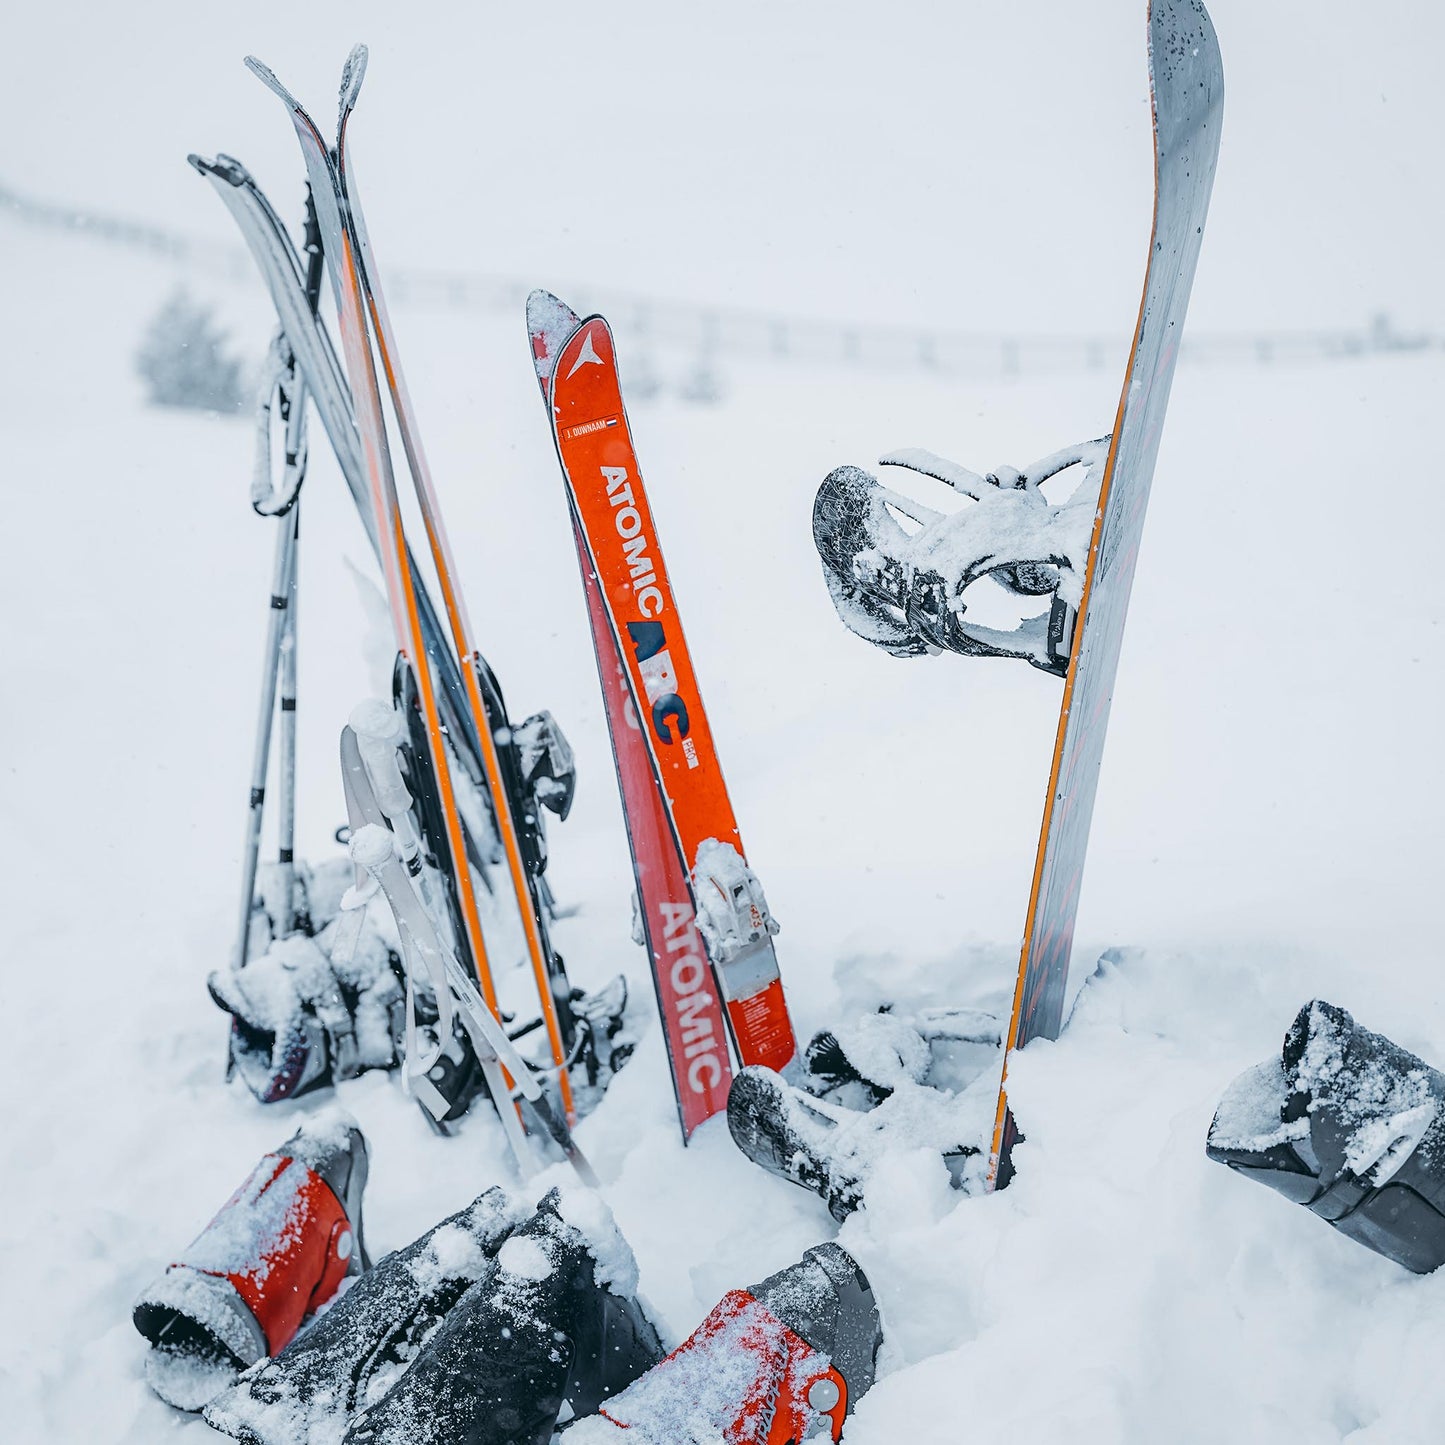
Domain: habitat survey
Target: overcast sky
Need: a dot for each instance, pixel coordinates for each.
(968, 163)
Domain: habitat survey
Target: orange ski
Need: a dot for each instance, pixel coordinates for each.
(693, 1026)
(610, 505)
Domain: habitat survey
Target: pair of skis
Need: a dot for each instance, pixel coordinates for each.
(704, 921)
(367, 336)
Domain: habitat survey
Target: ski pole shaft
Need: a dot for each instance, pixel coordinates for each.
(281, 572)
(286, 843)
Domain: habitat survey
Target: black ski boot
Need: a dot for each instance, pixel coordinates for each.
(1351, 1126)
(790, 1134)
(786, 1360)
(551, 1325)
(357, 1349)
(276, 1252)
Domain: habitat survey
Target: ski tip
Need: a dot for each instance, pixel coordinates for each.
(223, 168)
(352, 74)
(267, 77)
(549, 324)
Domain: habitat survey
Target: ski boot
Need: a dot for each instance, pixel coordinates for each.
(276, 1252)
(831, 1150)
(792, 1134)
(1351, 1126)
(551, 1326)
(784, 1361)
(356, 1351)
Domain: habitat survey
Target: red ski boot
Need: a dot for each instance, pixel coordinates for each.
(278, 1250)
(778, 1364)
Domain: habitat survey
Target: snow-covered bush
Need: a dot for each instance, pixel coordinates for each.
(183, 359)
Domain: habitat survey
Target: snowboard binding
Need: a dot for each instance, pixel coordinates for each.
(879, 1082)
(902, 587)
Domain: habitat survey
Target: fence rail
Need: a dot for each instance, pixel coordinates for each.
(715, 333)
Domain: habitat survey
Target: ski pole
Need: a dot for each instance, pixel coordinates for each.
(296, 458)
(282, 573)
(280, 654)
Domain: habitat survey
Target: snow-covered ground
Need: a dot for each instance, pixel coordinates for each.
(1267, 827)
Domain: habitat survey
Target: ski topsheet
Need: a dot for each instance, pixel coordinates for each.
(693, 1025)
(609, 505)
(1187, 86)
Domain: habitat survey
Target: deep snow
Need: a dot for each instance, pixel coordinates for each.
(1267, 831)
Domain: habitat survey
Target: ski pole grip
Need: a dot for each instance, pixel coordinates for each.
(379, 731)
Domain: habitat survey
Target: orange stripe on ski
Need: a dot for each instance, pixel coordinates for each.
(491, 761)
(400, 589)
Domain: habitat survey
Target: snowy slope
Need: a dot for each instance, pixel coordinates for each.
(1266, 831)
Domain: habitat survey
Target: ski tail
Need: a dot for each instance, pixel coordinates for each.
(694, 1026)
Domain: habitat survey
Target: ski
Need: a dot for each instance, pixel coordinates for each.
(693, 1025)
(1187, 89)
(609, 504)
(483, 697)
(275, 255)
(340, 247)
(536, 765)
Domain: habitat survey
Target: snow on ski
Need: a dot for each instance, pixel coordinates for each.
(594, 446)
(693, 1024)
(1187, 86)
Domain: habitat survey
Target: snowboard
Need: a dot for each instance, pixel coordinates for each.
(1187, 89)
(609, 503)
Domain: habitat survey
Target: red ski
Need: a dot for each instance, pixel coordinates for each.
(693, 1025)
(627, 579)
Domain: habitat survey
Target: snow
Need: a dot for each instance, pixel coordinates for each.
(740, 1352)
(1268, 820)
(588, 1214)
(524, 1258)
(884, 1049)
(1249, 1113)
